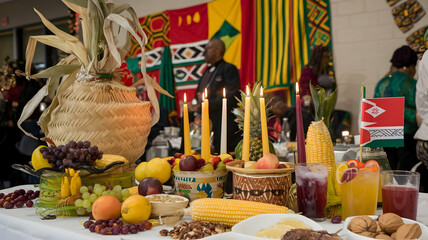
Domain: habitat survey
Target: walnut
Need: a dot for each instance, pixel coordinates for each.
(409, 231)
(390, 222)
(362, 224)
(368, 234)
(394, 236)
(383, 236)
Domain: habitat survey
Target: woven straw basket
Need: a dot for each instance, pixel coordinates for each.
(106, 113)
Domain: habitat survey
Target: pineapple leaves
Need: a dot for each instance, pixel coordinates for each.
(324, 106)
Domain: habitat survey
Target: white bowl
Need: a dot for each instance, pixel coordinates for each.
(166, 208)
(253, 225)
(354, 236)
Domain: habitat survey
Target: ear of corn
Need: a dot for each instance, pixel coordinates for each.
(109, 158)
(230, 211)
(319, 148)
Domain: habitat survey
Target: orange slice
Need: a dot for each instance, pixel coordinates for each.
(348, 175)
(352, 163)
(341, 168)
(371, 164)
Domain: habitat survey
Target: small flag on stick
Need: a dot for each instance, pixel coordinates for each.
(382, 122)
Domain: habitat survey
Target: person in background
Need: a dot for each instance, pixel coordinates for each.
(422, 111)
(218, 75)
(316, 72)
(401, 84)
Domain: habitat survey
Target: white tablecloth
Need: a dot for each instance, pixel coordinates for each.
(23, 223)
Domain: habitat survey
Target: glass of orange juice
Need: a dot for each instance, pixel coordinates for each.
(359, 190)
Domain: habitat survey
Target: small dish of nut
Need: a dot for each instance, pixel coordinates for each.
(388, 226)
(167, 205)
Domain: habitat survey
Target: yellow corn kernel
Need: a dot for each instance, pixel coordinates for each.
(230, 211)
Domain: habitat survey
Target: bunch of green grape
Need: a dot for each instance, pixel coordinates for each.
(92, 193)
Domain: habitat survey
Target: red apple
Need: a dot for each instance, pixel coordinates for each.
(226, 160)
(215, 160)
(188, 163)
(201, 163)
(268, 161)
(150, 186)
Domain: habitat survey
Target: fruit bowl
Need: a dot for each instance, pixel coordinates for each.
(166, 205)
(353, 236)
(237, 166)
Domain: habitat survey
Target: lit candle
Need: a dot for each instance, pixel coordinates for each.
(246, 140)
(265, 137)
(223, 144)
(301, 152)
(186, 134)
(205, 134)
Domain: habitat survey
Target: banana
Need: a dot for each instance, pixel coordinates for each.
(75, 183)
(65, 187)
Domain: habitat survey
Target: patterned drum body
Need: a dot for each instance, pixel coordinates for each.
(268, 188)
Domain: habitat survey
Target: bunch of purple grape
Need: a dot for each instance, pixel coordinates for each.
(71, 155)
(116, 227)
(18, 198)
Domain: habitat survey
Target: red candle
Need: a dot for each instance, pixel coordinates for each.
(301, 152)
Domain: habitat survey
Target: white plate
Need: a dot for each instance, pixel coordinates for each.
(252, 225)
(354, 236)
(231, 236)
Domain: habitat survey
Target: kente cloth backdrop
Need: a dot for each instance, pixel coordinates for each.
(187, 31)
(286, 31)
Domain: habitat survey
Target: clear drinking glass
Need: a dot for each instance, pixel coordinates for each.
(359, 194)
(311, 181)
(400, 190)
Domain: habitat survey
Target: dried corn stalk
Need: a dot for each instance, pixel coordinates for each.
(101, 53)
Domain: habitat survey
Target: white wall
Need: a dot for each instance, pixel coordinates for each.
(364, 39)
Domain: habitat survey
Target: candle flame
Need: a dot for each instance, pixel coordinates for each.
(261, 92)
(248, 90)
(185, 98)
(297, 88)
(224, 92)
(206, 93)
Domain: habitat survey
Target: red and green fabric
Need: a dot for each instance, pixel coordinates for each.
(156, 27)
(382, 122)
(166, 81)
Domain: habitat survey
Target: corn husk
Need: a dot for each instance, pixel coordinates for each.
(82, 108)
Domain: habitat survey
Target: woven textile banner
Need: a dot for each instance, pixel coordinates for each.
(282, 47)
(317, 15)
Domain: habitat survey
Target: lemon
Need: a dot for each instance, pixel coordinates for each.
(140, 171)
(37, 159)
(135, 209)
(158, 168)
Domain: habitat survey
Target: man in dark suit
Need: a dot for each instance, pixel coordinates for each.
(218, 75)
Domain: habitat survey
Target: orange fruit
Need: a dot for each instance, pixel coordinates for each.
(106, 207)
(135, 209)
(352, 163)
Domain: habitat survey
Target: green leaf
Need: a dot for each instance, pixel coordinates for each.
(324, 106)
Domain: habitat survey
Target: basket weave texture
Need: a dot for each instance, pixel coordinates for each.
(106, 113)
